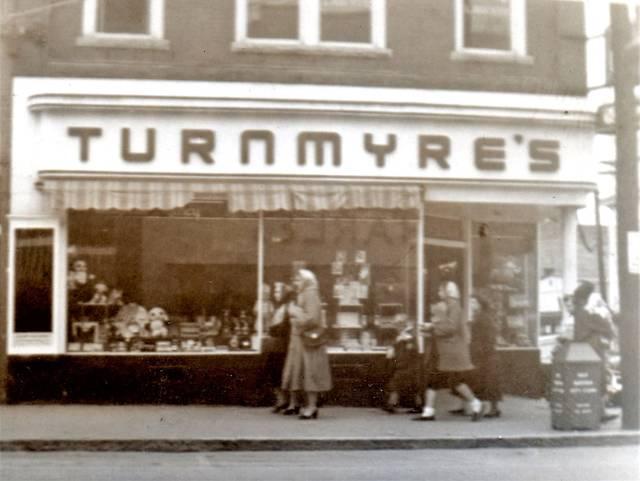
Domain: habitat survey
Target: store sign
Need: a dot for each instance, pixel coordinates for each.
(318, 148)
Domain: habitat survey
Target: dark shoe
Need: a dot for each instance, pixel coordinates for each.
(457, 412)
(391, 409)
(608, 417)
(291, 411)
(494, 413)
(476, 417)
(278, 407)
(311, 415)
(424, 418)
(414, 411)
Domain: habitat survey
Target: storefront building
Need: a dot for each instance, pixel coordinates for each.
(151, 220)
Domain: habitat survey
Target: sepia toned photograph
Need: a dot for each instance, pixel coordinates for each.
(319, 240)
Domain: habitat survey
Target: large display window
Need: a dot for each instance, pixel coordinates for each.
(166, 281)
(192, 280)
(505, 270)
(365, 262)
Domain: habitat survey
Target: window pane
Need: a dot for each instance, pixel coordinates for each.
(162, 283)
(33, 280)
(443, 228)
(366, 268)
(487, 24)
(346, 21)
(276, 19)
(505, 270)
(123, 16)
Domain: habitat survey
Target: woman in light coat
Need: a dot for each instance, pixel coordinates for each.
(448, 359)
(306, 368)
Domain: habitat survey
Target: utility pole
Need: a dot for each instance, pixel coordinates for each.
(5, 152)
(625, 68)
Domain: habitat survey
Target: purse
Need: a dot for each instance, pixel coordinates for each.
(315, 336)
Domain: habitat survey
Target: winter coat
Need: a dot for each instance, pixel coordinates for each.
(484, 380)
(306, 369)
(594, 329)
(451, 337)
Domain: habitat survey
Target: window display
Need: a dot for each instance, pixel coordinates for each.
(366, 267)
(505, 270)
(161, 282)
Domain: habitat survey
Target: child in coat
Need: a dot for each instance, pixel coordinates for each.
(404, 359)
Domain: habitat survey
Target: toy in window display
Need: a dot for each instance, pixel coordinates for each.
(132, 322)
(80, 282)
(100, 294)
(115, 297)
(158, 319)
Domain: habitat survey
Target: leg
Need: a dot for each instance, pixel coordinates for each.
(294, 407)
(428, 411)
(475, 404)
(311, 410)
(392, 402)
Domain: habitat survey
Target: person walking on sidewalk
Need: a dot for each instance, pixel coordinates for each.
(306, 368)
(404, 361)
(485, 379)
(447, 358)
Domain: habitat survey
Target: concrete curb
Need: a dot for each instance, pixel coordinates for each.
(325, 444)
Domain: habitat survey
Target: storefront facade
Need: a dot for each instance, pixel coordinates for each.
(147, 216)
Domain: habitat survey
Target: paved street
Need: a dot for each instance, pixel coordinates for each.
(566, 464)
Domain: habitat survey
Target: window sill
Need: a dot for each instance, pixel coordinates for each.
(491, 56)
(337, 50)
(123, 41)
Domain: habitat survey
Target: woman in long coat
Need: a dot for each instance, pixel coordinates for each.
(448, 359)
(485, 380)
(306, 368)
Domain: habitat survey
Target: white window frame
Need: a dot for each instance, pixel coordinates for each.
(518, 34)
(54, 341)
(154, 38)
(309, 32)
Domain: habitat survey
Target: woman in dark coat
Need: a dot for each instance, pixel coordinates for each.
(306, 368)
(484, 379)
(276, 343)
(448, 361)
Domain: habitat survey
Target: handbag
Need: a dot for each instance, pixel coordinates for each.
(315, 336)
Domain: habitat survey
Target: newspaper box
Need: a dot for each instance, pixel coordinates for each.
(575, 396)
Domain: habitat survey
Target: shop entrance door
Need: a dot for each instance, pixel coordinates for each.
(439, 256)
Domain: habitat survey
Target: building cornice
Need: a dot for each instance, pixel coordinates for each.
(54, 94)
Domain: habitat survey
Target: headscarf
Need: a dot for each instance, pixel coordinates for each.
(451, 290)
(308, 278)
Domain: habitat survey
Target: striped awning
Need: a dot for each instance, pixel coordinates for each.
(124, 194)
(66, 192)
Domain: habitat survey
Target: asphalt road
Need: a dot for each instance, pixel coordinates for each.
(560, 464)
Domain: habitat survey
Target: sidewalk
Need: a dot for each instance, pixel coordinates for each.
(524, 423)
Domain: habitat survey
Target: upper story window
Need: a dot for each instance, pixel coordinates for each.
(123, 23)
(321, 25)
(491, 29)
(123, 16)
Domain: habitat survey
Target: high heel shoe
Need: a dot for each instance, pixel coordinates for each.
(278, 407)
(290, 411)
(311, 415)
(390, 408)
